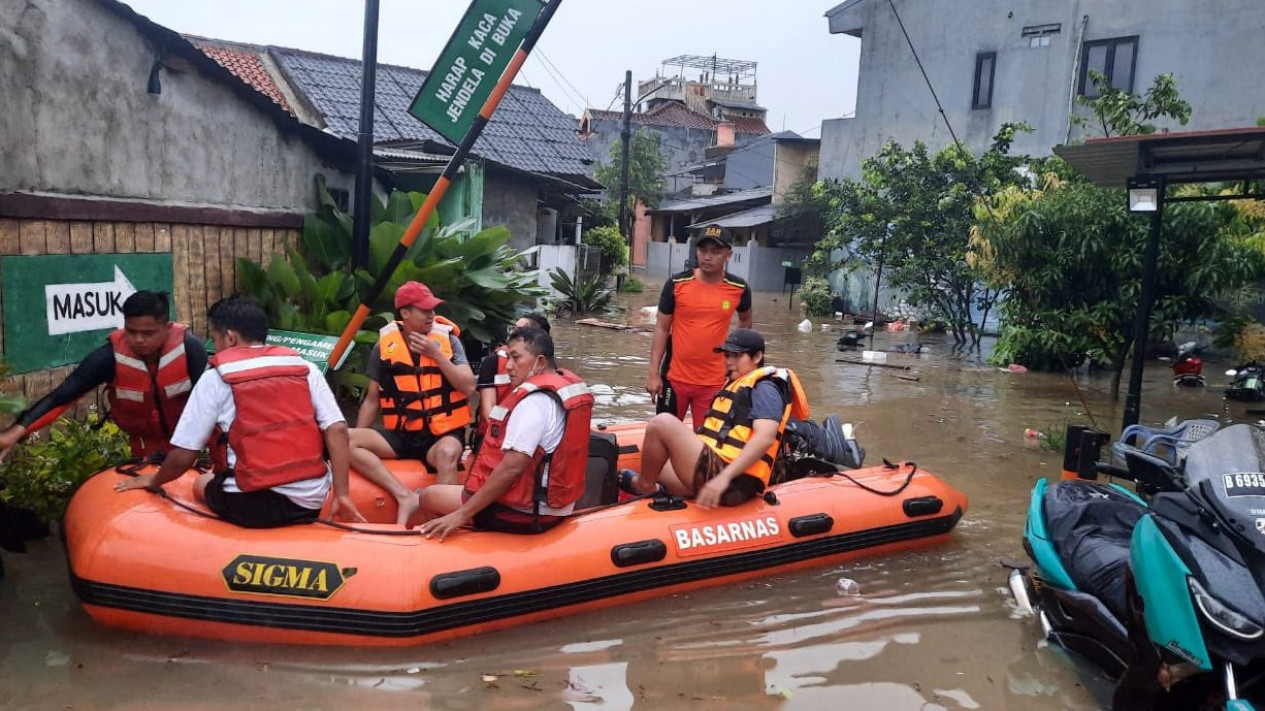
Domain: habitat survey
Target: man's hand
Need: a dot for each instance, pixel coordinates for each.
(144, 481)
(445, 525)
(343, 508)
(424, 346)
(709, 495)
(654, 384)
(9, 439)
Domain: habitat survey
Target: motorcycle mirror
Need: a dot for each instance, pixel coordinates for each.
(1232, 372)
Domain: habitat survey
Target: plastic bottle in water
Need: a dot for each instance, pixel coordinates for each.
(847, 587)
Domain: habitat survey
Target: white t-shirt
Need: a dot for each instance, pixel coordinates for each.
(537, 421)
(211, 404)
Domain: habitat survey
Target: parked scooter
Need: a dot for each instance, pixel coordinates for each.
(1164, 590)
(1247, 383)
(1188, 367)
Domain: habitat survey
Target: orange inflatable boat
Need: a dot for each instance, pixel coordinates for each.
(160, 564)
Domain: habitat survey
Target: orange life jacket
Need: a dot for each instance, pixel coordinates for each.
(147, 404)
(727, 427)
(418, 397)
(556, 479)
(500, 382)
(275, 434)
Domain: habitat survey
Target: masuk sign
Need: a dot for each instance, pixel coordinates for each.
(470, 65)
(59, 307)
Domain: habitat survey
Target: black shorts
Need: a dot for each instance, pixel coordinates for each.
(415, 445)
(499, 517)
(255, 509)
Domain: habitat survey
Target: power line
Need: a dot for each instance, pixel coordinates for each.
(545, 58)
(925, 78)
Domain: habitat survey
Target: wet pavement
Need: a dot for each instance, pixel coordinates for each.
(932, 629)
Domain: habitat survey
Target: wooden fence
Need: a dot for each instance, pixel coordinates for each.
(204, 265)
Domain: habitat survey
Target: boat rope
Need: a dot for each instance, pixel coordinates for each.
(913, 469)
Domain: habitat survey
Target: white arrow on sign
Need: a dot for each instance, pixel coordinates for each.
(72, 308)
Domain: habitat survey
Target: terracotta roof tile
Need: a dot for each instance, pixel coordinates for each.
(245, 63)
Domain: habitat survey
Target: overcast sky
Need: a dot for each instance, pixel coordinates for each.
(805, 74)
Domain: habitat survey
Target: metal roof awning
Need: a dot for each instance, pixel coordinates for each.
(708, 201)
(1223, 155)
(754, 217)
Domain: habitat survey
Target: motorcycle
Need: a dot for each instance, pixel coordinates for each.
(1162, 589)
(1188, 367)
(1247, 383)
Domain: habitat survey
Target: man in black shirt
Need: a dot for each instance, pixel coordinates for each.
(149, 366)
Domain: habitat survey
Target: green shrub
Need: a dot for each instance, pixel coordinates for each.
(314, 289)
(44, 473)
(614, 247)
(9, 404)
(632, 285)
(815, 293)
(581, 295)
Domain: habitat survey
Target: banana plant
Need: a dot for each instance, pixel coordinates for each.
(313, 288)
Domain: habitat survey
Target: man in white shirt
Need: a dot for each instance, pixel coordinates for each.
(537, 441)
(276, 417)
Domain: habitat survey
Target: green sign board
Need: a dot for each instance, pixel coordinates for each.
(313, 347)
(470, 65)
(59, 307)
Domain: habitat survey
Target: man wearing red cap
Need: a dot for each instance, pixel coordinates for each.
(420, 381)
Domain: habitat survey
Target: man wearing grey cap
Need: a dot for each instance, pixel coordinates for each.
(730, 458)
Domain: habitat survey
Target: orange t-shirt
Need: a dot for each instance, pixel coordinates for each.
(701, 314)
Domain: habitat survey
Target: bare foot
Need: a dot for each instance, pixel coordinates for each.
(407, 507)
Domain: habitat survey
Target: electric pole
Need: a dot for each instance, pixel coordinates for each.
(625, 136)
(364, 138)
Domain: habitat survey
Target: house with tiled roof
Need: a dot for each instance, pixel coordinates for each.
(125, 148)
(528, 169)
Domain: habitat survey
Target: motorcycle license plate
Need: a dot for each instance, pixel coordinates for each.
(1244, 484)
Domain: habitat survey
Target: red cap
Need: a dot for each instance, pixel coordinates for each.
(415, 293)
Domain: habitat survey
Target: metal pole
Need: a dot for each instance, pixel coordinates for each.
(878, 280)
(1141, 324)
(364, 139)
(445, 179)
(625, 135)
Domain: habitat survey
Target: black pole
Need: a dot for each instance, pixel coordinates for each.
(1141, 324)
(445, 179)
(364, 139)
(625, 135)
(878, 280)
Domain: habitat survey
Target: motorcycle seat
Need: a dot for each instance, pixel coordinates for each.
(1091, 526)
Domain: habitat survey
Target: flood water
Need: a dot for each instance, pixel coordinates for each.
(932, 629)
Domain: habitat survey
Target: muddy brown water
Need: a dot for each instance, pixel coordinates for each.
(930, 629)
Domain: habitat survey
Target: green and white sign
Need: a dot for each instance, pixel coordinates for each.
(59, 307)
(470, 65)
(312, 347)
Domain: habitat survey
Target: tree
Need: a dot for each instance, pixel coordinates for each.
(646, 167)
(1069, 257)
(1122, 113)
(913, 211)
(801, 218)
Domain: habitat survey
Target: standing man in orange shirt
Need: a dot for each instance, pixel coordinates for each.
(695, 311)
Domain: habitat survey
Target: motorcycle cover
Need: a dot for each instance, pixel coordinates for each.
(1091, 525)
